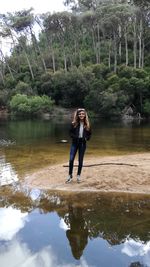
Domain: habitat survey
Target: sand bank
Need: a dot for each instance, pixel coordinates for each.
(127, 173)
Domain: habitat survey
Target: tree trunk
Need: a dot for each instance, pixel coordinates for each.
(80, 58)
(71, 63)
(75, 48)
(126, 47)
(98, 44)
(135, 42)
(140, 43)
(65, 61)
(109, 55)
(143, 53)
(51, 50)
(7, 64)
(37, 48)
(53, 61)
(30, 67)
(94, 46)
(120, 47)
(12, 34)
(50, 47)
(115, 53)
(2, 77)
(27, 58)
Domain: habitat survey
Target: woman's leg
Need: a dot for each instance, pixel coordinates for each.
(73, 151)
(81, 151)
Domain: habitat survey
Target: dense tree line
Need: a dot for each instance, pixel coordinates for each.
(96, 55)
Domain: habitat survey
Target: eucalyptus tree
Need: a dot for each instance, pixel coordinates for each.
(2, 80)
(88, 4)
(76, 37)
(90, 21)
(143, 30)
(140, 24)
(37, 48)
(51, 27)
(4, 59)
(46, 38)
(59, 27)
(22, 22)
(123, 14)
(15, 27)
(141, 3)
(111, 24)
(4, 33)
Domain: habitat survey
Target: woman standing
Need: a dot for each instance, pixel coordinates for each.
(80, 132)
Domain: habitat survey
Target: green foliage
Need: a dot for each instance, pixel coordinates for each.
(115, 87)
(45, 88)
(9, 81)
(113, 103)
(24, 105)
(137, 85)
(94, 57)
(147, 107)
(124, 84)
(92, 101)
(69, 89)
(23, 88)
(46, 77)
(3, 97)
(113, 79)
(100, 71)
(125, 72)
(139, 73)
(97, 85)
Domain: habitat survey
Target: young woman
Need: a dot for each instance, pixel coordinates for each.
(80, 132)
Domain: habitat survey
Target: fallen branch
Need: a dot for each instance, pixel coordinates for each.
(107, 163)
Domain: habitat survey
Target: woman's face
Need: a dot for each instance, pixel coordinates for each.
(81, 115)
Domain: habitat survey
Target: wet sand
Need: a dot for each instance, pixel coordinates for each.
(127, 173)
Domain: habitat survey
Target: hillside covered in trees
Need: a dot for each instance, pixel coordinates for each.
(97, 55)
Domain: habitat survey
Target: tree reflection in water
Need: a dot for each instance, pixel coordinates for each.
(120, 219)
(78, 232)
(136, 264)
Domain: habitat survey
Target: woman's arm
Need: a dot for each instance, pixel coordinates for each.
(88, 134)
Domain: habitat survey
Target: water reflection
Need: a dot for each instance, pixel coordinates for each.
(30, 145)
(137, 264)
(134, 248)
(74, 229)
(7, 173)
(11, 221)
(20, 255)
(77, 233)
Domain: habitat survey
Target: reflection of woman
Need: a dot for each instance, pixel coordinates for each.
(78, 233)
(80, 132)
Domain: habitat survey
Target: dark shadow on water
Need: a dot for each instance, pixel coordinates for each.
(136, 264)
(77, 233)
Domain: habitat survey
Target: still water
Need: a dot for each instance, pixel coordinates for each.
(96, 230)
(44, 229)
(27, 145)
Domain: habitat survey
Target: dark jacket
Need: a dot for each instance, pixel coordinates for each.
(74, 133)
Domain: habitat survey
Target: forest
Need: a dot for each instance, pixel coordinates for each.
(95, 55)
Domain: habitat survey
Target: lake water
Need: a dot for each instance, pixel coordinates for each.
(45, 229)
(27, 145)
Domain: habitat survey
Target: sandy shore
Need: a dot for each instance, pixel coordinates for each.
(128, 173)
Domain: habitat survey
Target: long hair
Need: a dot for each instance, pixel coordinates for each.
(76, 119)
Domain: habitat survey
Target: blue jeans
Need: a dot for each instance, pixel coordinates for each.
(80, 146)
